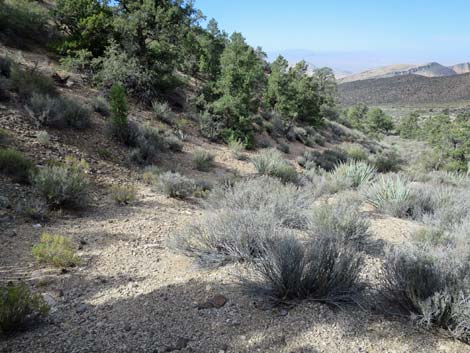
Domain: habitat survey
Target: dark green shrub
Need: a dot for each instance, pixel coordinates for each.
(327, 160)
(119, 111)
(203, 160)
(15, 165)
(5, 67)
(64, 184)
(387, 162)
(18, 306)
(55, 250)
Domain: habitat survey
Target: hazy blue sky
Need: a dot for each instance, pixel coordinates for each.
(351, 34)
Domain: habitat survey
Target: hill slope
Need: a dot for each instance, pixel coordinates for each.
(406, 89)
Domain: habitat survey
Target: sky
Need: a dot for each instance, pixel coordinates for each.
(350, 35)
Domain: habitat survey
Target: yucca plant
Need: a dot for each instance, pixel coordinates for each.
(391, 194)
(355, 172)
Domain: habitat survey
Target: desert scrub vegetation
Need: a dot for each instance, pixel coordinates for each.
(287, 202)
(387, 162)
(63, 184)
(55, 250)
(327, 160)
(322, 269)
(163, 112)
(101, 106)
(203, 160)
(175, 185)
(271, 163)
(124, 194)
(4, 137)
(390, 194)
(150, 175)
(58, 112)
(354, 173)
(19, 306)
(237, 148)
(15, 165)
(430, 285)
(341, 219)
(28, 81)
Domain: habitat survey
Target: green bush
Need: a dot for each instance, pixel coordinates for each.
(271, 163)
(124, 194)
(63, 184)
(356, 153)
(119, 111)
(387, 162)
(18, 306)
(15, 165)
(175, 185)
(55, 250)
(203, 160)
(58, 112)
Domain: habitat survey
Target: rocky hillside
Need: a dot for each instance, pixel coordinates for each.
(408, 89)
(427, 70)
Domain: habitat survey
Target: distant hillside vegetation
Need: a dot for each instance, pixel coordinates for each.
(409, 89)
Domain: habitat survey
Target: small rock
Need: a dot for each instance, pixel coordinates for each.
(217, 302)
(37, 226)
(12, 233)
(81, 308)
(50, 301)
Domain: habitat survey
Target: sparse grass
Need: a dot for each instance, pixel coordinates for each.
(271, 163)
(175, 185)
(55, 250)
(63, 184)
(323, 269)
(237, 148)
(15, 165)
(203, 160)
(124, 194)
(18, 306)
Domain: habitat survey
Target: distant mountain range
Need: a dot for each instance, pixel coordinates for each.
(433, 69)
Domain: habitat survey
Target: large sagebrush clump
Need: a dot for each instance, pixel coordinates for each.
(323, 269)
(175, 185)
(63, 184)
(341, 219)
(15, 165)
(271, 163)
(288, 203)
(431, 285)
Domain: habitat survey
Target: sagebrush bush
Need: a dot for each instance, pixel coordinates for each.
(101, 106)
(354, 173)
(58, 112)
(227, 235)
(55, 250)
(150, 175)
(431, 285)
(323, 269)
(327, 160)
(19, 306)
(271, 163)
(28, 81)
(341, 220)
(163, 112)
(356, 152)
(149, 142)
(124, 194)
(203, 160)
(387, 162)
(15, 165)
(175, 185)
(63, 184)
(288, 203)
(174, 143)
(43, 138)
(391, 194)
